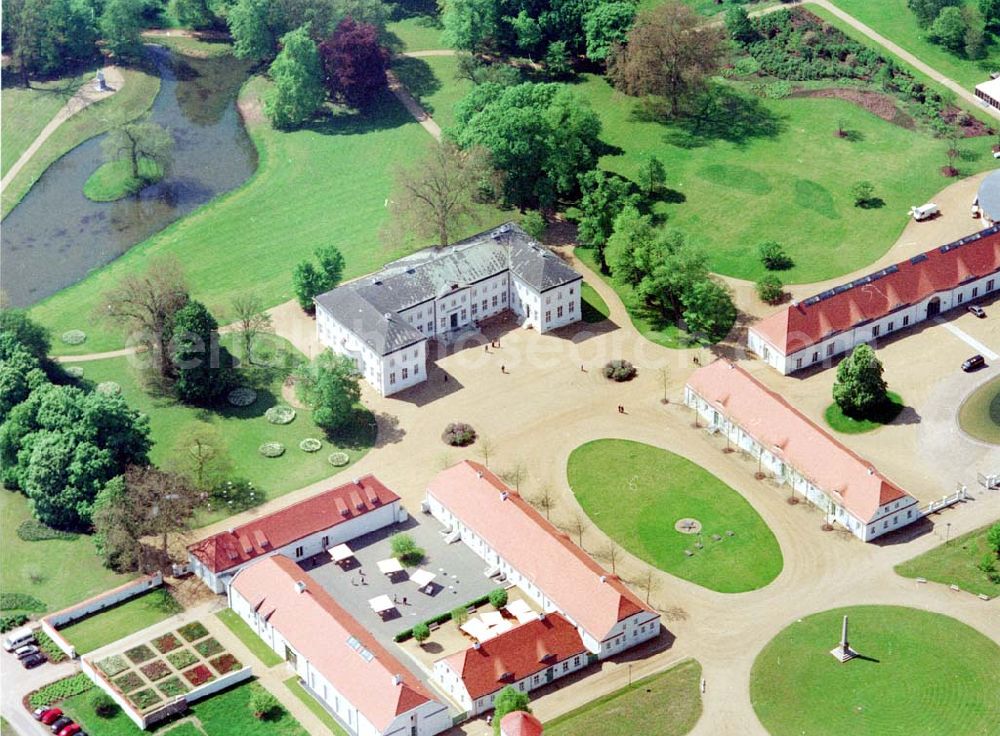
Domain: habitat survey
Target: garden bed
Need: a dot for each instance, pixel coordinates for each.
(199, 675)
(877, 103)
(182, 659)
(208, 648)
(193, 631)
(166, 643)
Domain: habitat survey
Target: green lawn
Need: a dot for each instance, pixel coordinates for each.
(59, 572)
(246, 635)
(419, 33)
(980, 413)
(927, 674)
(665, 704)
(776, 170)
(132, 100)
(113, 180)
(892, 19)
(839, 421)
(954, 563)
(593, 308)
(27, 111)
(116, 623)
(314, 705)
(191, 46)
(638, 508)
(432, 81)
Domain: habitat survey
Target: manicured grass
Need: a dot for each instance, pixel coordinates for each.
(954, 563)
(776, 170)
(839, 421)
(126, 618)
(927, 674)
(131, 101)
(27, 111)
(666, 704)
(280, 216)
(636, 493)
(432, 81)
(246, 635)
(892, 19)
(191, 46)
(113, 180)
(980, 413)
(313, 705)
(593, 308)
(59, 572)
(415, 27)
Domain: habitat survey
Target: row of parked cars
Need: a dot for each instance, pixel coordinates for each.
(59, 723)
(23, 645)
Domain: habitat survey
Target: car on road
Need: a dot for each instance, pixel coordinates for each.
(33, 660)
(60, 723)
(26, 650)
(41, 714)
(976, 361)
(976, 310)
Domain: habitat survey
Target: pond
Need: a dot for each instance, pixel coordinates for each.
(56, 236)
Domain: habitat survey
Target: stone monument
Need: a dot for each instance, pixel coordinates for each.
(99, 83)
(843, 651)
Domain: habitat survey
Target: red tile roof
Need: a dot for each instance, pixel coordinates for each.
(519, 723)
(783, 430)
(262, 536)
(539, 551)
(817, 318)
(320, 630)
(519, 653)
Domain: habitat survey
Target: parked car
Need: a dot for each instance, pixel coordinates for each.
(33, 660)
(18, 638)
(978, 311)
(976, 361)
(71, 730)
(26, 650)
(50, 716)
(41, 713)
(60, 723)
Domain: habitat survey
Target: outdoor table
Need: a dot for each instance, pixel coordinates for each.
(492, 618)
(422, 578)
(477, 630)
(390, 566)
(341, 553)
(381, 604)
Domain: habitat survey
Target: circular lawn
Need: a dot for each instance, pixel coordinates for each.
(841, 422)
(980, 413)
(918, 673)
(636, 494)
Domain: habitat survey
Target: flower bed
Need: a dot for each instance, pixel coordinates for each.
(271, 449)
(112, 665)
(74, 371)
(140, 654)
(60, 690)
(128, 682)
(166, 643)
(155, 670)
(339, 459)
(74, 337)
(199, 675)
(310, 444)
(458, 434)
(242, 396)
(172, 687)
(183, 658)
(109, 388)
(225, 663)
(145, 699)
(280, 414)
(193, 631)
(208, 648)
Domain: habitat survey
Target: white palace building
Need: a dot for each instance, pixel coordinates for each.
(383, 321)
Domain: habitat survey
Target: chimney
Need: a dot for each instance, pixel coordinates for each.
(604, 578)
(397, 679)
(231, 530)
(357, 482)
(300, 586)
(503, 496)
(479, 474)
(476, 646)
(871, 471)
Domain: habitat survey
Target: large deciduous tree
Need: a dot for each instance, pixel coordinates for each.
(330, 386)
(354, 63)
(203, 367)
(48, 37)
(603, 196)
(709, 310)
(605, 25)
(671, 52)
(135, 142)
(471, 25)
(32, 337)
(298, 81)
(121, 26)
(252, 320)
(310, 280)
(859, 388)
(928, 10)
(509, 700)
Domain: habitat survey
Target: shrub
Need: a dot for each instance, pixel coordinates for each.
(262, 704)
(145, 698)
(280, 414)
(103, 704)
(533, 223)
(459, 434)
(225, 663)
(74, 337)
(208, 648)
(406, 550)
(193, 631)
(67, 687)
(339, 459)
(74, 371)
(243, 396)
(155, 670)
(20, 602)
(112, 665)
(49, 647)
(746, 66)
(421, 632)
(166, 643)
(769, 289)
(128, 682)
(13, 621)
(109, 388)
(619, 370)
(773, 256)
(863, 193)
(498, 598)
(442, 618)
(32, 530)
(140, 654)
(183, 658)
(460, 615)
(271, 449)
(199, 675)
(172, 687)
(310, 444)
(235, 495)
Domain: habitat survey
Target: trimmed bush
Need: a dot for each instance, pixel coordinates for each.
(74, 371)
(262, 703)
(20, 602)
(459, 434)
(339, 459)
(103, 704)
(498, 598)
(271, 449)
(619, 370)
(74, 337)
(421, 632)
(770, 289)
(280, 414)
(235, 495)
(32, 530)
(406, 550)
(67, 687)
(406, 634)
(773, 256)
(243, 396)
(310, 444)
(109, 388)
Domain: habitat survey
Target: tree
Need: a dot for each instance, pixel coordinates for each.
(252, 320)
(928, 10)
(709, 309)
(421, 633)
(121, 25)
(459, 615)
(201, 455)
(515, 475)
(545, 499)
(604, 195)
(471, 25)
(354, 63)
(859, 388)
(437, 195)
(103, 704)
(863, 193)
(664, 376)
(195, 14)
(671, 52)
(650, 583)
(975, 32)
(533, 222)
(262, 703)
(329, 385)
(990, 10)
(251, 25)
(298, 81)
(49, 37)
(558, 63)
(498, 598)
(509, 700)
(309, 280)
(770, 289)
(145, 305)
(631, 236)
(406, 550)
(136, 142)
(993, 538)
(606, 25)
(32, 337)
(577, 526)
(949, 29)
(203, 367)
(652, 175)
(20, 373)
(612, 553)
(739, 26)
(485, 448)
(773, 256)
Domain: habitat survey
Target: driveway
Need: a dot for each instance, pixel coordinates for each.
(16, 682)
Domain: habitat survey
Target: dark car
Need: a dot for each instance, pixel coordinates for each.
(60, 723)
(976, 361)
(978, 311)
(50, 715)
(33, 660)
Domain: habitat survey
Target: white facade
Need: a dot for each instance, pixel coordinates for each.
(888, 518)
(844, 342)
(627, 633)
(427, 719)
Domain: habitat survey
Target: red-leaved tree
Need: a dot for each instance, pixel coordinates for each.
(354, 63)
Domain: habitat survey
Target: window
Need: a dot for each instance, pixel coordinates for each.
(906, 320)
(975, 291)
(463, 314)
(484, 305)
(475, 308)
(572, 307)
(406, 373)
(444, 323)
(548, 299)
(298, 551)
(416, 370)
(890, 327)
(989, 285)
(885, 524)
(392, 378)
(430, 327)
(420, 328)
(548, 315)
(571, 290)
(798, 362)
(565, 666)
(503, 297)
(961, 297)
(559, 311)
(326, 542)
(875, 330)
(830, 348)
(494, 300)
(815, 356)
(909, 514)
(576, 661)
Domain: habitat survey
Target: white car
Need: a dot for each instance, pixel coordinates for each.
(925, 211)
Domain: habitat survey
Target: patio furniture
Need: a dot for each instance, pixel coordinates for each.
(520, 610)
(423, 579)
(501, 628)
(341, 553)
(381, 604)
(492, 618)
(479, 631)
(390, 566)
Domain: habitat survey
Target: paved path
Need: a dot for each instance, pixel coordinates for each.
(967, 339)
(399, 89)
(428, 52)
(84, 96)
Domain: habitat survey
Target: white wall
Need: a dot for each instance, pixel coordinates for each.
(560, 306)
(403, 368)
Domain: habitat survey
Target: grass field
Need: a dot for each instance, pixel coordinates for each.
(191, 46)
(593, 308)
(954, 563)
(665, 704)
(113, 180)
(132, 100)
(58, 572)
(116, 623)
(313, 705)
(923, 673)
(774, 169)
(246, 635)
(839, 421)
(638, 508)
(432, 81)
(979, 414)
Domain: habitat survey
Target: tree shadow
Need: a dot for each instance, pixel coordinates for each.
(389, 431)
(358, 433)
(724, 114)
(425, 10)
(417, 75)
(385, 113)
(872, 203)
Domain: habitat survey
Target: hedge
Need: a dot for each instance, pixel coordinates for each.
(60, 690)
(406, 634)
(20, 602)
(52, 651)
(13, 621)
